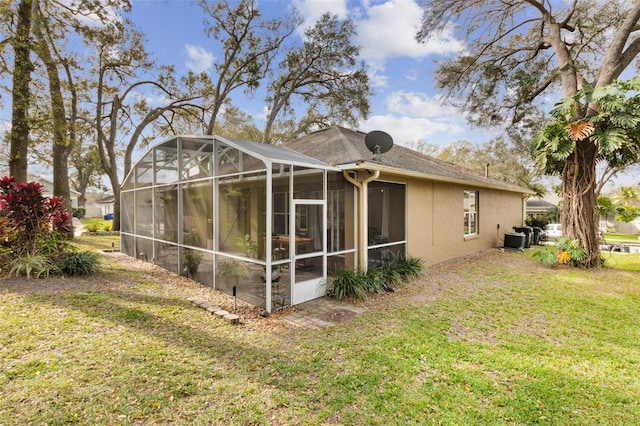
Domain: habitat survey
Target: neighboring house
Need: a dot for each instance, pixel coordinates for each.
(223, 211)
(537, 207)
(98, 206)
(47, 190)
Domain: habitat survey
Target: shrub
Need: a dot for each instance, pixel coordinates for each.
(356, 283)
(408, 267)
(376, 280)
(565, 250)
(30, 216)
(92, 227)
(347, 283)
(33, 264)
(79, 263)
(80, 212)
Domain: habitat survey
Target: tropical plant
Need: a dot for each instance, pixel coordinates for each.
(605, 206)
(611, 128)
(565, 251)
(248, 246)
(627, 214)
(231, 270)
(191, 259)
(78, 263)
(626, 196)
(346, 283)
(31, 216)
(33, 265)
(349, 282)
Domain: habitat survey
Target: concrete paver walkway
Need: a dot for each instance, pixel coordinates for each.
(322, 312)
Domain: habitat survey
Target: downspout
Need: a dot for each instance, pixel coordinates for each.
(363, 218)
(525, 197)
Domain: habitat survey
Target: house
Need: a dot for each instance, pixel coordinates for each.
(540, 207)
(224, 211)
(98, 206)
(47, 189)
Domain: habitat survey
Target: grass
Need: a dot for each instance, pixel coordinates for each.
(97, 242)
(96, 223)
(622, 238)
(624, 261)
(498, 339)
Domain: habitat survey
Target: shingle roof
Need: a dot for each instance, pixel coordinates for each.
(540, 203)
(344, 147)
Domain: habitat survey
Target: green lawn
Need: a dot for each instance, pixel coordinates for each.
(491, 340)
(625, 261)
(96, 223)
(622, 238)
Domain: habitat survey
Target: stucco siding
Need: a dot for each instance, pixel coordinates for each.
(435, 220)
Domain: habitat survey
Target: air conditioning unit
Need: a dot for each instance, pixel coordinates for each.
(514, 241)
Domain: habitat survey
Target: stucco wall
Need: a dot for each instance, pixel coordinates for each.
(435, 219)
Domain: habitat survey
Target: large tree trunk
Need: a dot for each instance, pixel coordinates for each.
(115, 225)
(61, 146)
(579, 209)
(61, 186)
(19, 137)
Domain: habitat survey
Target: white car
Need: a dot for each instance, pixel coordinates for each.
(552, 231)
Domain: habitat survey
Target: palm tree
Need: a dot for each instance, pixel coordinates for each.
(627, 196)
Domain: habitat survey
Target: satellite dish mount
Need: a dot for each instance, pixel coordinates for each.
(378, 142)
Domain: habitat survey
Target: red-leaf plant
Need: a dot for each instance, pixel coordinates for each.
(30, 216)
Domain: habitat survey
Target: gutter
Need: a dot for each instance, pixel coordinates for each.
(363, 165)
(363, 217)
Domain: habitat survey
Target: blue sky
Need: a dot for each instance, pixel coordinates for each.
(405, 104)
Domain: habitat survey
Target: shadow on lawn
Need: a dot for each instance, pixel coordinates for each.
(176, 322)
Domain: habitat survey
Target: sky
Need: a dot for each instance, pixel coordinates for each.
(405, 104)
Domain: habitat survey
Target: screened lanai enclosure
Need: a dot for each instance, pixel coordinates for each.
(261, 221)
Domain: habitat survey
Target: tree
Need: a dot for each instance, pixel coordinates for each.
(627, 196)
(605, 207)
(20, 95)
(626, 202)
(122, 115)
(237, 124)
(60, 128)
(85, 161)
(524, 49)
(54, 112)
(249, 43)
(627, 214)
(498, 159)
(324, 74)
(607, 121)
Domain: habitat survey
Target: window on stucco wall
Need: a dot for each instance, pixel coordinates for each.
(470, 213)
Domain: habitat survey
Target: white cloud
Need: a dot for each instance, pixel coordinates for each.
(416, 104)
(404, 130)
(198, 58)
(388, 30)
(417, 116)
(312, 10)
(153, 100)
(411, 75)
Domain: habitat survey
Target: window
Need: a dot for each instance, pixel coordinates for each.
(470, 213)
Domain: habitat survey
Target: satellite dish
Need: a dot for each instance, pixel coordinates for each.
(378, 142)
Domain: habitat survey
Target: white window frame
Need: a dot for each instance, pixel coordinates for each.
(471, 211)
